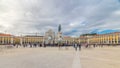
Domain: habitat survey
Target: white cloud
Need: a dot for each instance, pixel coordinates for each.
(76, 16)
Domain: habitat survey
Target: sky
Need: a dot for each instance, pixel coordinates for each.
(76, 16)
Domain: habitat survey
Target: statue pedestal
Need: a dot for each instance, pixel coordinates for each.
(59, 35)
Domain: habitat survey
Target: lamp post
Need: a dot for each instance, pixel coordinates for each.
(12, 41)
(21, 40)
(79, 40)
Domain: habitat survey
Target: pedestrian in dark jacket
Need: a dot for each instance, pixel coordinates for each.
(79, 46)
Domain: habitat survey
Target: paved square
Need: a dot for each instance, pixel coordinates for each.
(106, 57)
(37, 58)
(53, 57)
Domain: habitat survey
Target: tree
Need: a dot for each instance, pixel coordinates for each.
(89, 34)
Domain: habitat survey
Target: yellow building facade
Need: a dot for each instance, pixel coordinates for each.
(6, 39)
(110, 38)
(31, 39)
(70, 40)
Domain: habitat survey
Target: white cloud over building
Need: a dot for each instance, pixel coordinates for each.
(76, 16)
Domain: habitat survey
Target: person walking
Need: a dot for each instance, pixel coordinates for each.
(79, 46)
(94, 45)
(75, 46)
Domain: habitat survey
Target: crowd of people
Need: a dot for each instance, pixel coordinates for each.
(28, 45)
(77, 46)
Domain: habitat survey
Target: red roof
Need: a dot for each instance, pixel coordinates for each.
(67, 37)
(1, 34)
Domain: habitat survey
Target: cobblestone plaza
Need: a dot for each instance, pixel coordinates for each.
(106, 57)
